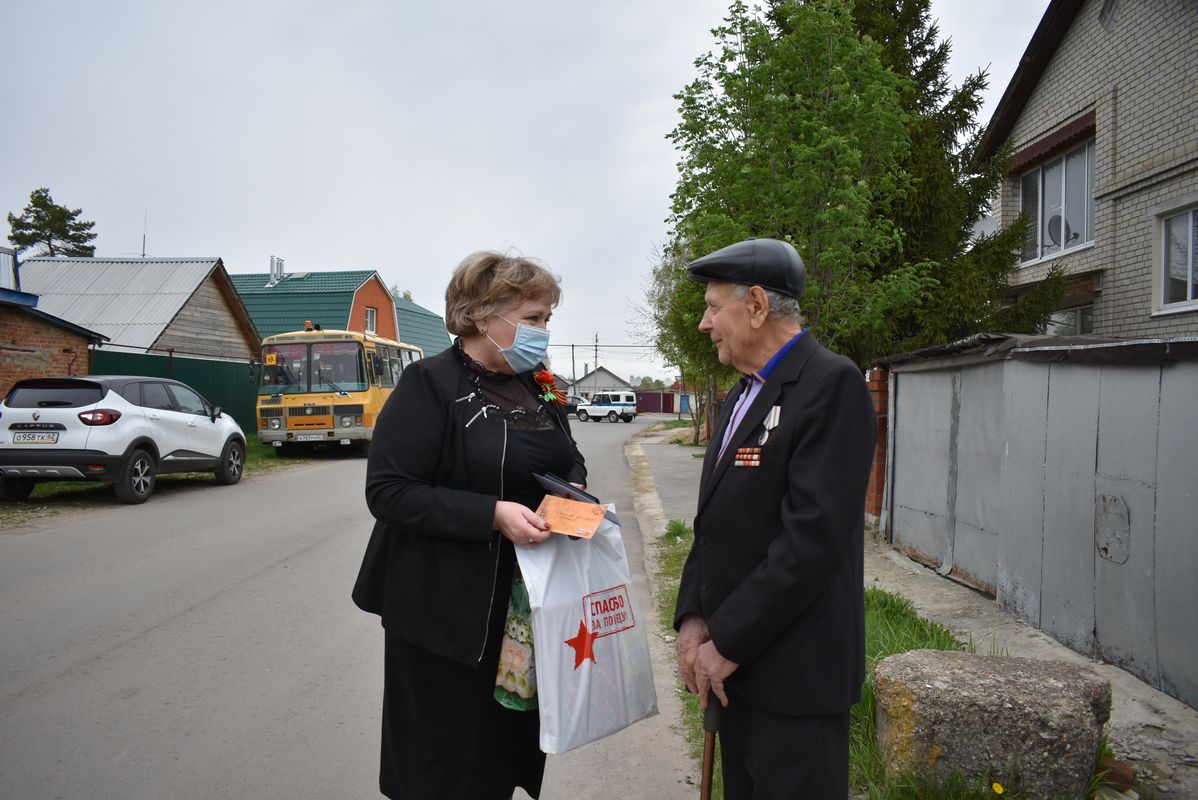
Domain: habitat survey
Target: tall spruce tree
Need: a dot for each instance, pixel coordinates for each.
(57, 229)
(796, 130)
(948, 193)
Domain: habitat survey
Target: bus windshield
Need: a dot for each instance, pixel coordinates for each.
(316, 367)
(338, 367)
(284, 369)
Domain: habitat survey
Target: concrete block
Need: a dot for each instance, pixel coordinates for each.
(1027, 723)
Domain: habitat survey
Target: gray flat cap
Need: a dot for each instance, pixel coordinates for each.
(769, 263)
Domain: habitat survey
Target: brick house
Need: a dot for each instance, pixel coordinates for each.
(354, 300)
(1100, 116)
(34, 343)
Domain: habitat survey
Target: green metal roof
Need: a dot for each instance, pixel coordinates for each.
(325, 298)
(421, 327)
(302, 282)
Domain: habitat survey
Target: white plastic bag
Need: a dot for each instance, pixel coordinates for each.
(589, 639)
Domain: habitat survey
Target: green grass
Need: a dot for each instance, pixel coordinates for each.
(891, 626)
(671, 424)
(678, 424)
(671, 555)
(56, 497)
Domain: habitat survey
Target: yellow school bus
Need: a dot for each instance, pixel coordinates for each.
(326, 387)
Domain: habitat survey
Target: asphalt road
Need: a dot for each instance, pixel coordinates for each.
(204, 645)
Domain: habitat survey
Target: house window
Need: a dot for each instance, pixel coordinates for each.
(1071, 321)
(372, 315)
(1058, 198)
(1181, 253)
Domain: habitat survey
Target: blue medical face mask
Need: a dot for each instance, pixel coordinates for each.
(528, 348)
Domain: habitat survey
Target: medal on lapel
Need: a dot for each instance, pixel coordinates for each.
(771, 422)
(747, 457)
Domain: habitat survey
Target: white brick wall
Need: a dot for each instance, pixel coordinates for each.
(1139, 74)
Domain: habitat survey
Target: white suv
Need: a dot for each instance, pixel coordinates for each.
(609, 404)
(123, 430)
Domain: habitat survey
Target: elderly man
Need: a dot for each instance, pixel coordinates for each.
(770, 610)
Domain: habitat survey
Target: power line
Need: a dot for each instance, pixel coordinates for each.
(604, 346)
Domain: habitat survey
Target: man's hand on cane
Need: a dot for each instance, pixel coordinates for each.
(711, 670)
(691, 634)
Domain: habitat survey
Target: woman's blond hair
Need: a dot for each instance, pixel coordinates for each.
(486, 283)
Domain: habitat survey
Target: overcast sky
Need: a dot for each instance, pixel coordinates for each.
(397, 136)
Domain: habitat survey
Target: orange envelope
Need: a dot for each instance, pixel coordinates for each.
(571, 517)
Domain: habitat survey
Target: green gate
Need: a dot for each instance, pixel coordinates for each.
(224, 383)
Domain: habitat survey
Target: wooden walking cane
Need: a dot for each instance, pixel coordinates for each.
(711, 724)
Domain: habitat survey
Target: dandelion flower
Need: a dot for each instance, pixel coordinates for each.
(997, 787)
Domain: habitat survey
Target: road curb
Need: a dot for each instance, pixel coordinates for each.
(652, 523)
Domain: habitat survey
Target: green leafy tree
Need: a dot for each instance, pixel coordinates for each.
(674, 306)
(56, 229)
(796, 130)
(948, 192)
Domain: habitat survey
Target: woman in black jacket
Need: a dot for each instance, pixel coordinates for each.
(450, 483)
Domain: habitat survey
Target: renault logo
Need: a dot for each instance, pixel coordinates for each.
(36, 416)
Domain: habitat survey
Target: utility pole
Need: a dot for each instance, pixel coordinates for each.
(596, 351)
(573, 373)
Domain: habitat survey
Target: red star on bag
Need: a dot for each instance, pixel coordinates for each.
(583, 644)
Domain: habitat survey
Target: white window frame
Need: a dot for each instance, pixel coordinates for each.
(1039, 225)
(372, 319)
(1079, 315)
(1161, 260)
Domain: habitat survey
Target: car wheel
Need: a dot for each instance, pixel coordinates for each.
(583, 416)
(613, 416)
(232, 463)
(16, 489)
(136, 483)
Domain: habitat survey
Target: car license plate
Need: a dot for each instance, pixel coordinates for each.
(35, 437)
(310, 437)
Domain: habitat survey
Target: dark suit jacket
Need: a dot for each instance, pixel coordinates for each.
(776, 566)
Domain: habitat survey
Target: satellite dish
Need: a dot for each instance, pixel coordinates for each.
(1054, 230)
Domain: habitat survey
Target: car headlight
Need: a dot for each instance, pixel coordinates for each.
(347, 422)
(276, 423)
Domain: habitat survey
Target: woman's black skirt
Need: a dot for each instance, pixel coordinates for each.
(444, 735)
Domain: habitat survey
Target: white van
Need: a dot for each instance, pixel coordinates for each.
(609, 404)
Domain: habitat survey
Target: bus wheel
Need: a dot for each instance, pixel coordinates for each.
(365, 446)
(286, 451)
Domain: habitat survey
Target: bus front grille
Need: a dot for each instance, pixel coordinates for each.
(310, 411)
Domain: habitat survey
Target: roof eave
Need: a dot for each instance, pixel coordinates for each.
(1055, 23)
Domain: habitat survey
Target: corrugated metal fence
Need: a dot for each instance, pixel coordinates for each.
(224, 383)
(1065, 484)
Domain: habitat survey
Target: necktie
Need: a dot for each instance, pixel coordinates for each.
(738, 413)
